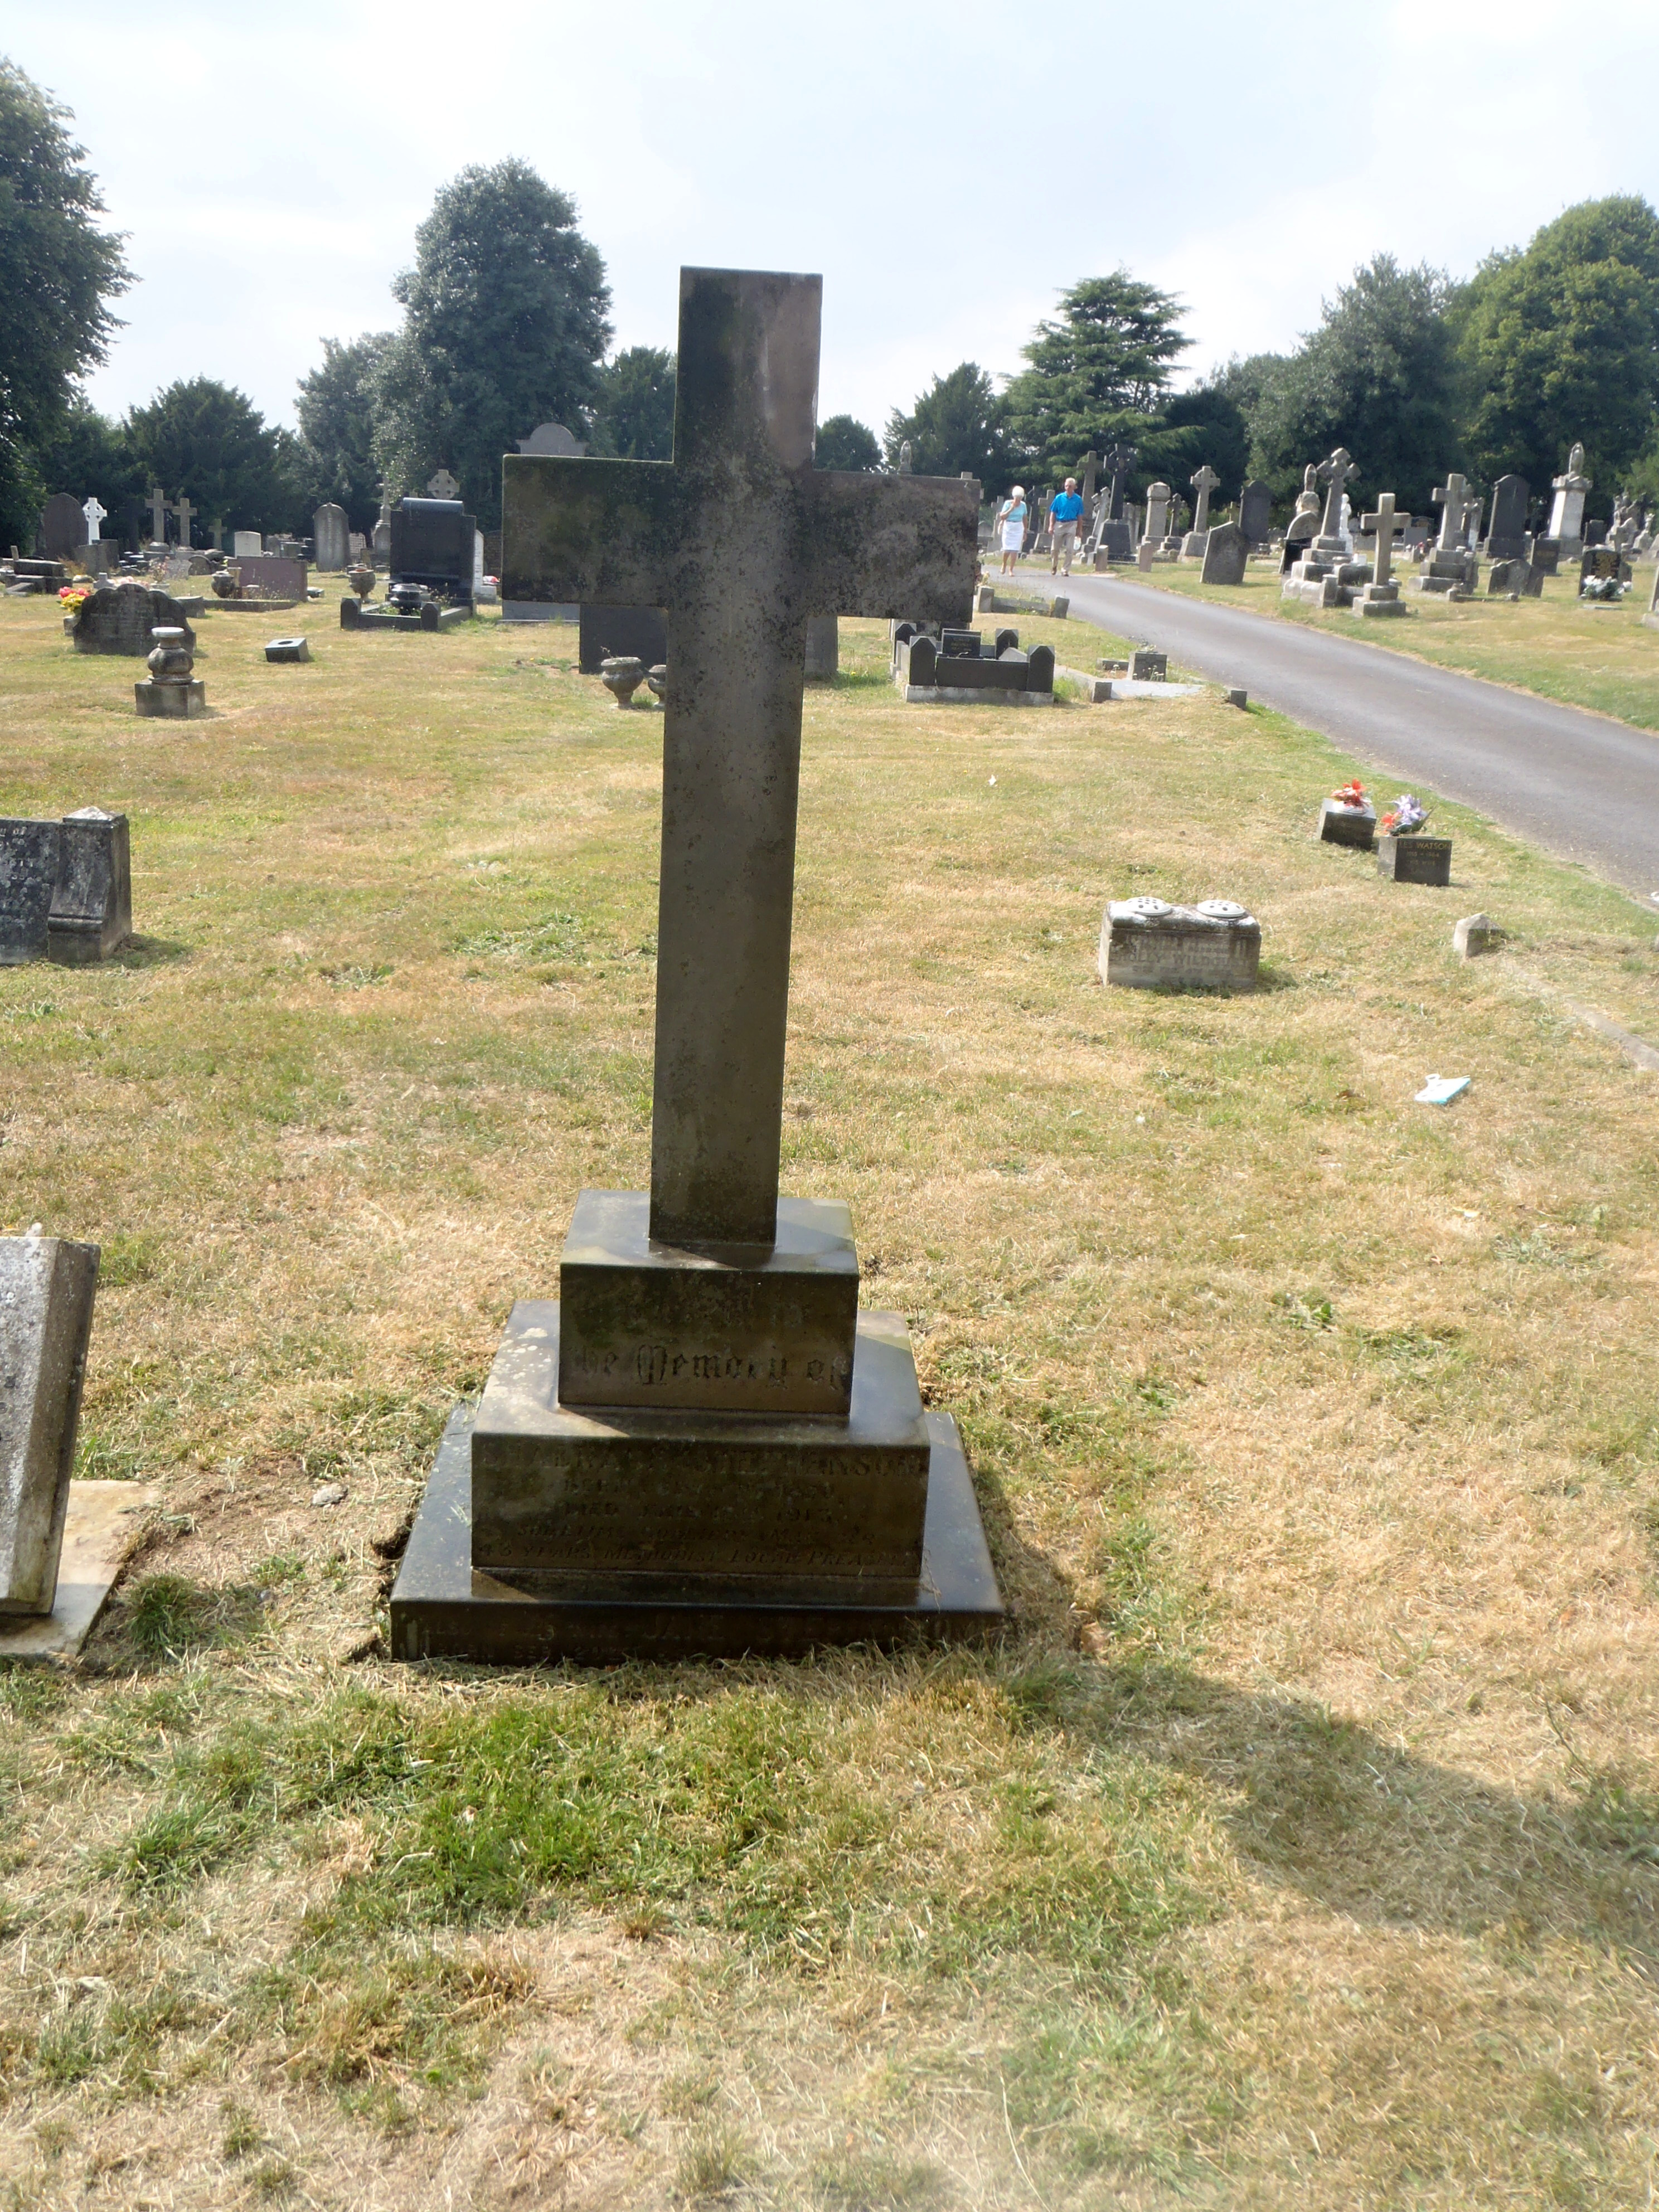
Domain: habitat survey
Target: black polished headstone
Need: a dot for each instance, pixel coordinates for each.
(1506, 532)
(432, 543)
(63, 527)
(1256, 506)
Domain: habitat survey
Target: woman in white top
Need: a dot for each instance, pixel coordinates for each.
(1011, 521)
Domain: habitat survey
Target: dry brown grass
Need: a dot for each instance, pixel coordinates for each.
(1297, 1848)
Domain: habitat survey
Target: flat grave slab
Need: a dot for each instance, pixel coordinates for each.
(103, 1522)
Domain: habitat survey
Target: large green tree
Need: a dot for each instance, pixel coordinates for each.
(1379, 376)
(335, 457)
(1204, 424)
(209, 442)
(1560, 341)
(89, 455)
(960, 423)
(58, 273)
(506, 325)
(844, 443)
(1099, 371)
(635, 406)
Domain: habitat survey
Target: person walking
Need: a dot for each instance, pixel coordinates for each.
(1011, 521)
(1064, 516)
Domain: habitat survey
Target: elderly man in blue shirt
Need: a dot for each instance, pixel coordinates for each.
(1064, 516)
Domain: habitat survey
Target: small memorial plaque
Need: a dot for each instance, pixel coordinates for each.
(1149, 945)
(1414, 860)
(1347, 825)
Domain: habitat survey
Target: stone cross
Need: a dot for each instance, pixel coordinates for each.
(740, 539)
(1452, 498)
(182, 508)
(1203, 482)
(158, 512)
(95, 515)
(442, 486)
(1089, 464)
(1384, 522)
(1339, 468)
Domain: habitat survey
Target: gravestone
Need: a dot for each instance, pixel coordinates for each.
(1204, 482)
(1158, 511)
(759, 1474)
(270, 576)
(552, 438)
(443, 488)
(93, 514)
(822, 647)
(1451, 567)
(1567, 508)
(611, 633)
(330, 538)
(1514, 579)
(184, 512)
(46, 1289)
(65, 888)
(246, 545)
(1226, 553)
(432, 544)
(1506, 530)
(1256, 506)
(63, 528)
(1149, 945)
(1382, 595)
(158, 515)
(955, 671)
(1348, 822)
(1414, 860)
(124, 619)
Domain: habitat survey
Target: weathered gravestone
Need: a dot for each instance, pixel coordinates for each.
(330, 538)
(47, 1288)
(1150, 944)
(1451, 568)
(1256, 508)
(1204, 482)
(65, 888)
(1567, 508)
(432, 545)
(124, 619)
(63, 528)
(552, 438)
(1226, 555)
(822, 647)
(703, 1445)
(1506, 530)
(268, 576)
(1381, 597)
(246, 545)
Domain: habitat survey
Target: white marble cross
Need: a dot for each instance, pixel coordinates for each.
(1339, 468)
(1384, 522)
(95, 515)
(158, 512)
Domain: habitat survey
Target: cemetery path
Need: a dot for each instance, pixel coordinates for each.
(1580, 785)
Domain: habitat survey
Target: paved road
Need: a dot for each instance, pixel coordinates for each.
(1578, 784)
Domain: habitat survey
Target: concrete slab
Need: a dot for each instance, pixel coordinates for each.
(103, 1525)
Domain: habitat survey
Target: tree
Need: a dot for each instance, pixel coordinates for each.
(959, 424)
(1204, 424)
(92, 457)
(843, 442)
(1561, 342)
(637, 405)
(335, 457)
(58, 272)
(1379, 376)
(506, 325)
(1097, 375)
(208, 441)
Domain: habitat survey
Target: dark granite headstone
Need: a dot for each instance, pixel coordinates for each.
(1546, 557)
(271, 576)
(1596, 533)
(63, 527)
(1226, 549)
(1506, 532)
(432, 543)
(1256, 506)
(124, 619)
(65, 888)
(1415, 860)
(641, 632)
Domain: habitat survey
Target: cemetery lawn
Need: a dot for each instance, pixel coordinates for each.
(1298, 1845)
(1596, 657)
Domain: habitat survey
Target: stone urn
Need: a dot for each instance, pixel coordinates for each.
(171, 691)
(621, 676)
(361, 580)
(224, 582)
(408, 599)
(172, 658)
(657, 681)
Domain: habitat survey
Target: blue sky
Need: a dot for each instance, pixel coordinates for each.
(948, 169)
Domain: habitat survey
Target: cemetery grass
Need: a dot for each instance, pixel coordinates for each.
(1600, 658)
(1299, 1842)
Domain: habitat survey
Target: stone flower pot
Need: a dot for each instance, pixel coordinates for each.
(621, 676)
(361, 580)
(657, 681)
(224, 582)
(172, 656)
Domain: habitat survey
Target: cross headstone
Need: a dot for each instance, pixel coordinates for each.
(442, 486)
(1385, 523)
(1090, 464)
(95, 515)
(1119, 460)
(741, 539)
(158, 516)
(1452, 498)
(1204, 482)
(181, 507)
(1337, 470)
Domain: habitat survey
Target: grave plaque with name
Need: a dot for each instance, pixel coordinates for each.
(1149, 945)
(1415, 860)
(47, 1288)
(703, 1445)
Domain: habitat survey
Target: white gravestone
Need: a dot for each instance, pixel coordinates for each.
(1567, 513)
(246, 545)
(95, 515)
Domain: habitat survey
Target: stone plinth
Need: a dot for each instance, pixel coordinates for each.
(1379, 600)
(648, 1324)
(1347, 825)
(47, 1288)
(1149, 945)
(1455, 572)
(1414, 860)
(170, 702)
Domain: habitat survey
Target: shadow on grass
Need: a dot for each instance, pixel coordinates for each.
(137, 951)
